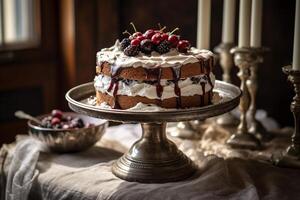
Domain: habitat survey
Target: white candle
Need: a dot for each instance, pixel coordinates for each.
(228, 21)
(296, 54)
(256, 23)
(203, 28)
(244, 23)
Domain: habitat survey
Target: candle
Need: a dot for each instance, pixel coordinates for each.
(203, 28)
(244, 23)
(296, 54)
(228, 21)
(256, 21)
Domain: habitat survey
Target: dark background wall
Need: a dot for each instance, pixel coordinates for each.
(74, 30)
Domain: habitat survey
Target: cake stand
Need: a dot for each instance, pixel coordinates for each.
(154, 158)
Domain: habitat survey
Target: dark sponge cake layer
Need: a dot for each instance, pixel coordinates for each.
(204, 66)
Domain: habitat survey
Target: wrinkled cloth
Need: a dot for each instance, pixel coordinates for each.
(228, 174)
(22, 170)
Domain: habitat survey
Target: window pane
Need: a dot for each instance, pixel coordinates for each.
(19, 22)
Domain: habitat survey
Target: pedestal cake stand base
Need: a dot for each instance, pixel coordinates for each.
(153, 158)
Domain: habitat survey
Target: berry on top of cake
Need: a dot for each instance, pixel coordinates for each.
(155, 68)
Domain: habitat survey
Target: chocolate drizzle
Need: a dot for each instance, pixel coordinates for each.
(203, 92)
(176, 77)
(209, 79)
(114, 84)
(205, 67)
(156, 73)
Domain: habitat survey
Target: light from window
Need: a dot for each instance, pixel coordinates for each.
(19, 24)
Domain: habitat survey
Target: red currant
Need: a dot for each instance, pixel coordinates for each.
(173, 39)
(156, 38)
(135, 42)
(149, 33)
(183, 46)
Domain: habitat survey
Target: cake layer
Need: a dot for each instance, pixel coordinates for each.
(188, 87)
(140, 73)
(127, 102)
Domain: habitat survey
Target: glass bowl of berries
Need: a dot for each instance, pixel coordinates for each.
(67, 131)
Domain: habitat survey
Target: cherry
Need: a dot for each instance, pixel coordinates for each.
(140, 38)
(57, 113)
(149, 33)
(173, 39)
(135, 42)
(164, 36)
(136, 34)
(183, 46)
(55, 121)
(156, 38)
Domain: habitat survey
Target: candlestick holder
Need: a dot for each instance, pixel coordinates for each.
(243, 58)
(291, 158)
(256, 127)
(226, 63)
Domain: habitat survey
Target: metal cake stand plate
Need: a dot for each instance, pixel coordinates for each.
(154, 158)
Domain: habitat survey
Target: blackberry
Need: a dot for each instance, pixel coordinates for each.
(124, 43)
(146, 46)
(131, 50)
(195, 80)
(163, 47)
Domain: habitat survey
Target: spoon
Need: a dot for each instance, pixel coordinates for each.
(22, 115)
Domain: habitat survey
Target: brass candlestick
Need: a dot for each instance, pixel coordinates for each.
(226, 62)
(243, 58)
(256, 127)
(291, 158)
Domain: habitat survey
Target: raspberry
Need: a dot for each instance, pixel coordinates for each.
(163, 47)
(124, 43)
(131, 50)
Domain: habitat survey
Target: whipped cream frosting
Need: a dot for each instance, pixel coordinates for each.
(135, 88)
(115, 56)
(141, 107)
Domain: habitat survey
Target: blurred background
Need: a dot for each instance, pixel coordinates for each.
(49, 46)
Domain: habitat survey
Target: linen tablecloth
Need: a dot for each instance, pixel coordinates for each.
(223, 173)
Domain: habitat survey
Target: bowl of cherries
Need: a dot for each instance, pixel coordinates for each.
(67, 131)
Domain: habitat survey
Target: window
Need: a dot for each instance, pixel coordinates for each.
(19, 24)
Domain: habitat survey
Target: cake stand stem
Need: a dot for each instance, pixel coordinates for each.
(243, 58)
(153, 158)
